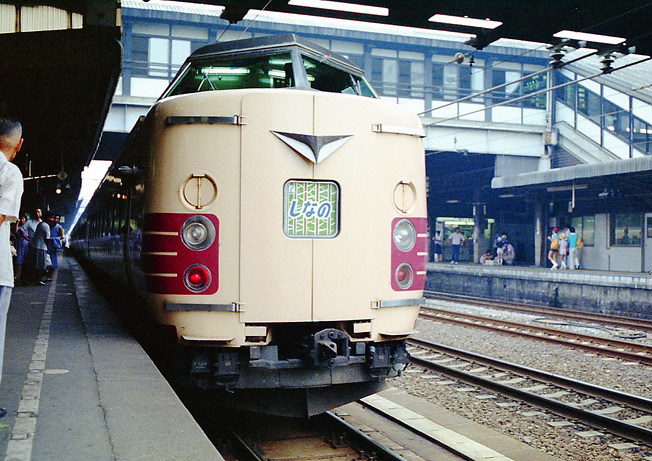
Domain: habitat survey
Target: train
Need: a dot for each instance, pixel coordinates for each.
(270, 213)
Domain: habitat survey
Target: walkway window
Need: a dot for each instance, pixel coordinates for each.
(411, 75)
(158, 49)
(510, 91)
(444, 78)
(585, 228)
(642, 136)
(616, 119)
(465, 81)
(588, 103)
(384, 71)
(398, 73)
(566, 94)
(437, 80)
(626, 229)
(532, 85)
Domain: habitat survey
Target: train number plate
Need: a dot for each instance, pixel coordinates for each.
(311, 209)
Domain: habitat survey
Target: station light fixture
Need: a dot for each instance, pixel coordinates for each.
(465, 21)
(567, 188)
(586, 37)
(341, 6)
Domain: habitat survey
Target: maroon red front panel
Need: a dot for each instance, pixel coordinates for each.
(417, 257)
(165, 257)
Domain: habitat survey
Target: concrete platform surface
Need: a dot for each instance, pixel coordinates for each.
(77, 386)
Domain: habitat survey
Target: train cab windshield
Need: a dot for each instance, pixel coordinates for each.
(277, 70)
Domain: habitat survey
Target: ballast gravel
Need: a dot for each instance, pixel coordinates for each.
(537, 428)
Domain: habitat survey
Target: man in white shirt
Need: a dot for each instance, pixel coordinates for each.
(11, 191)
(457, 239)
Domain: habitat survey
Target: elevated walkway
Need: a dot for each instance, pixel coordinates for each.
(583, 147)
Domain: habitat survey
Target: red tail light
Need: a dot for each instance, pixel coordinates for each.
(409, 253)
(197, 278)
(404, 276)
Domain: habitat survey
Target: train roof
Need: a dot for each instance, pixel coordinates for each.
(270, 42)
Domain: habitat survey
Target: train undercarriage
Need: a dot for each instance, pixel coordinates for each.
(323, 370)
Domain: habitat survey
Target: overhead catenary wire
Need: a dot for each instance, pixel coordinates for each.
(503, 85)
(254, 19)
(633, 10)
(223, 32)
(475, 95)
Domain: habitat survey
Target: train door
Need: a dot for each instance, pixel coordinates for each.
(275, 269)
(366, 170)
(345, 287)
(647, 251)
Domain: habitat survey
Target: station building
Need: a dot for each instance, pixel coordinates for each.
(514, 145)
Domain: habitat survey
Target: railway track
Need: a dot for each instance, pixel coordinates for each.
(372, 429)
(615, 322)
(591, 405)
(618, 348)
(327, 437)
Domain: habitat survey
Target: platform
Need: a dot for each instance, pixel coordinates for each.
(614, 293)
(77, 386)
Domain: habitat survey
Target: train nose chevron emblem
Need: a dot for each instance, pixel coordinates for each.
(314, 148)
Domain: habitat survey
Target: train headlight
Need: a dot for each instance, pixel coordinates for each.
(405, 235)
(198, 233)
(404, 276)
(197, 278)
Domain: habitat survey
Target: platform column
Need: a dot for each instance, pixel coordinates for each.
(478, 229)
(538, 239)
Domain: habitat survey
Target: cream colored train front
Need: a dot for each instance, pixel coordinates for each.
(285, 231)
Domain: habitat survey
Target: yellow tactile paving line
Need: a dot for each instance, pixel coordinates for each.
(462, 445)
(20, 445)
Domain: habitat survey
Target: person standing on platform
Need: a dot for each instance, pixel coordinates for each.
(457, 239)
(21, 243)
(27, 273)
(11, 192)
(573, 250)
(32, 223)
(436, 249)
(54, 244)
(37, 253)
(500, 249)
(554, 247)
(563, 250)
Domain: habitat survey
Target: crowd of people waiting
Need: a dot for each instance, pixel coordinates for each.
(564, 251)
(564, 248)
(37, 243)
(500, 254)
